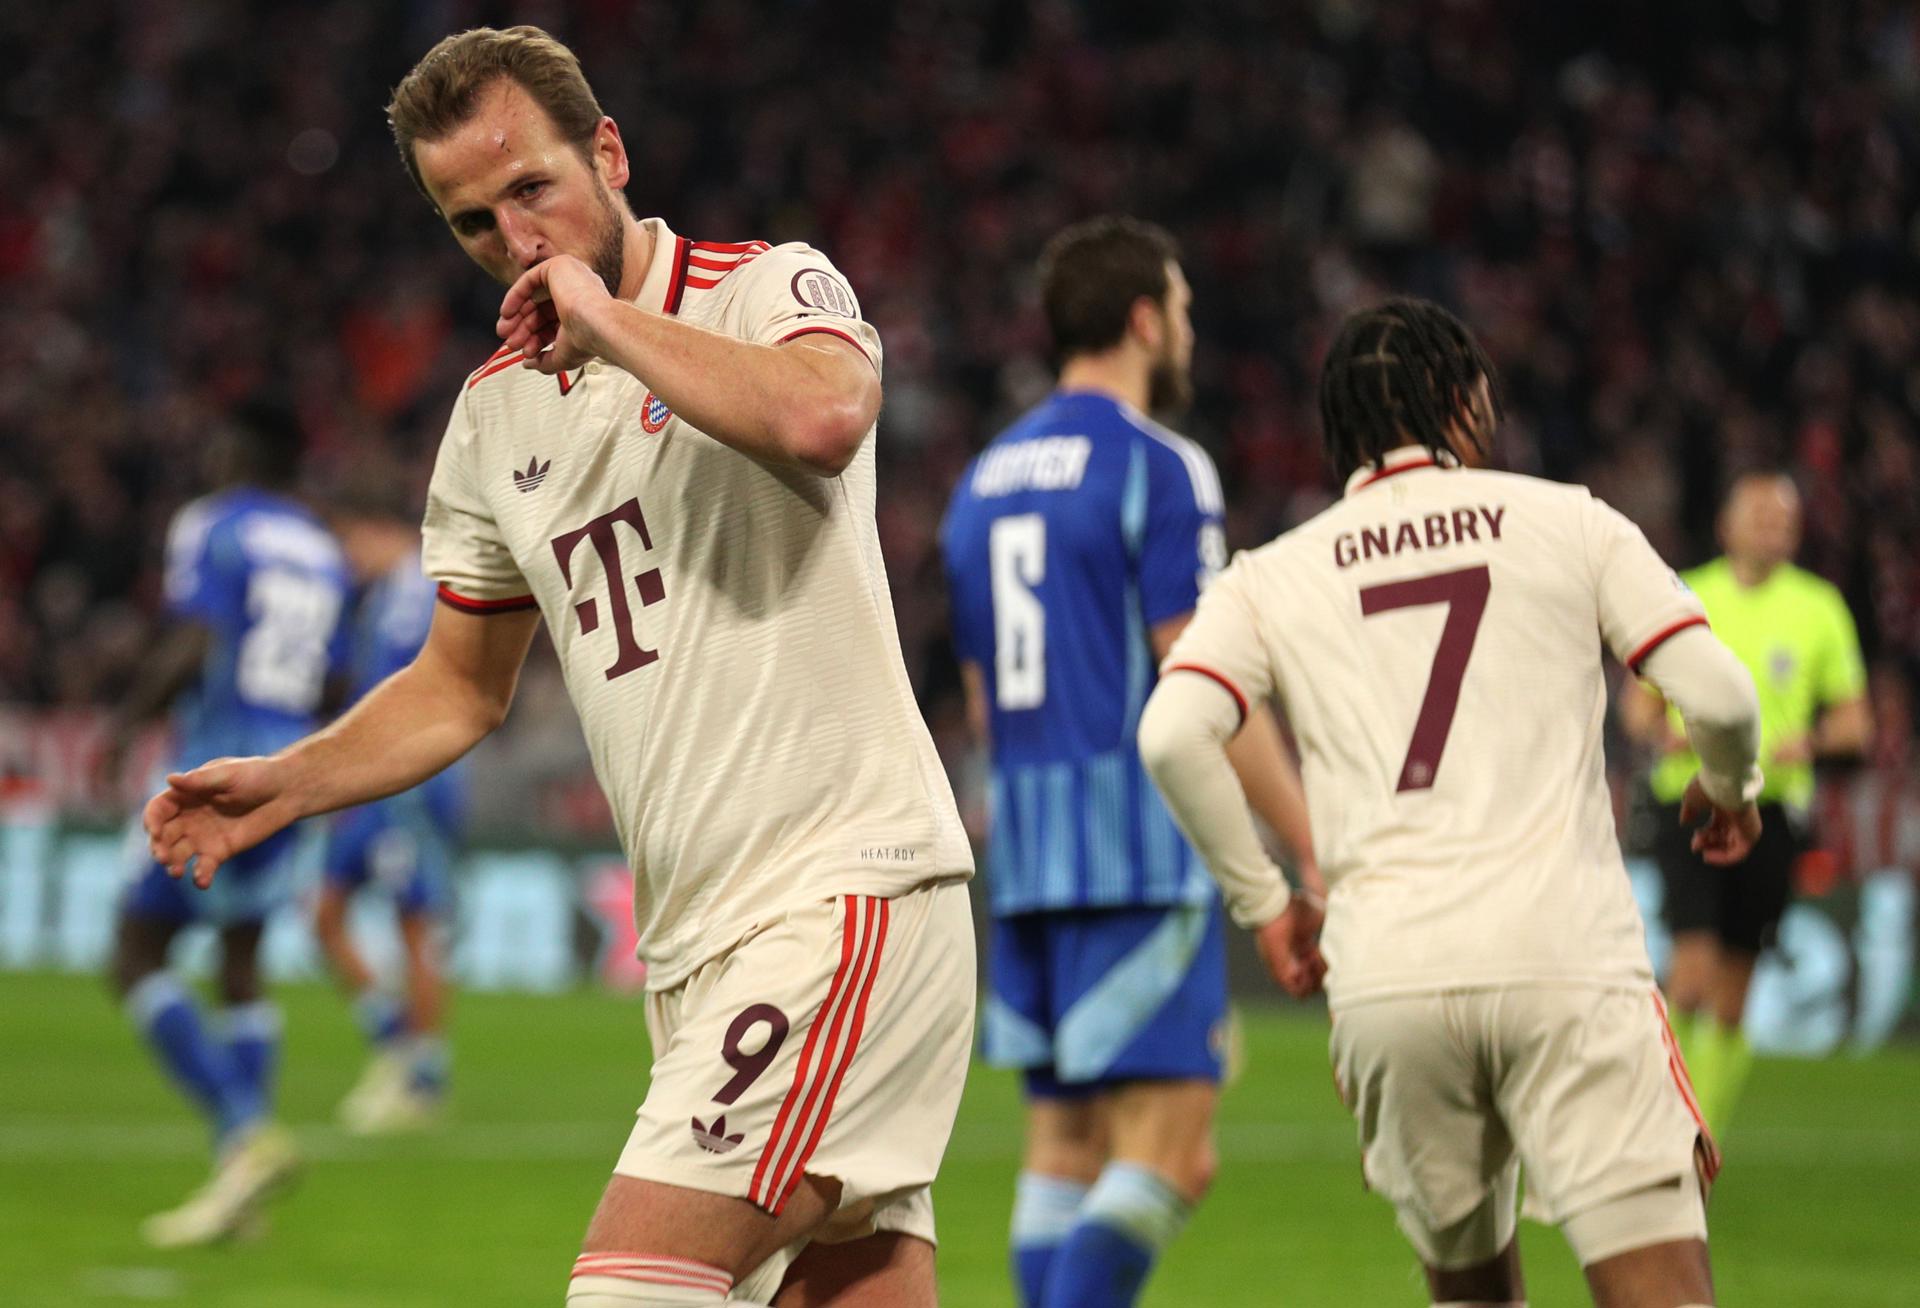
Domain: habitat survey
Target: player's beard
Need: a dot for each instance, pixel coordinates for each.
(1169, 388)
(608, 258)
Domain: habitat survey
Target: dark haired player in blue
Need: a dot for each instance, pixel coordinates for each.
(255, 588)
(1076, 546)
(404, 845)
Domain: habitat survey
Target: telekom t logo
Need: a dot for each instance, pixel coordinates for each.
(603, 531)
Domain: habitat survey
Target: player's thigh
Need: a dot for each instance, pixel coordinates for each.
(1066, 1134)
(1432, 1142)
(1691, 889)
(1673, 1274)
(637, 1217)
(1760, 888)
(1603, 1116)
(1167, 1127)
(887, 1269)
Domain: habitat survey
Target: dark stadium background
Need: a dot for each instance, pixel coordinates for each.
(1687, 232)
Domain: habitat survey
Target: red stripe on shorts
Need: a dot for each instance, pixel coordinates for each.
(859, 953)
(878, 931)
(1677, 1065)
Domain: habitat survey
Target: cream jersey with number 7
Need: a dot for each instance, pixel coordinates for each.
(1435, 639)
(724, 626)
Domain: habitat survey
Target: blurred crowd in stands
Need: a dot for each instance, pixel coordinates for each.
(1687, 233)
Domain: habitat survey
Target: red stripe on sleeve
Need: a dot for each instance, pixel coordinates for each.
(1239, 699)
(1660, 638)
(466, 604)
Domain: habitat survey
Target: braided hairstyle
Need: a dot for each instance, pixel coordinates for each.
(1402, 371)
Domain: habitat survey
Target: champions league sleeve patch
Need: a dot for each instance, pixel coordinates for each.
(819, 289)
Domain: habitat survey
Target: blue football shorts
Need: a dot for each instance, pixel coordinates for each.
(1083, 999)
(247, 888)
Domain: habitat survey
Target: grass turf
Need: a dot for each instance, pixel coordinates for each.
(1819, 1204)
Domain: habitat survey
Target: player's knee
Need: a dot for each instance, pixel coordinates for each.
(1196, 1168)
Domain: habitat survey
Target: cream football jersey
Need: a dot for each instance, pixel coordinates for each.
(1435, 639)
(725, 626)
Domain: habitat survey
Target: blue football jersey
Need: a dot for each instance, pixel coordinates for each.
(390, 626)
(1080, 528)
(269, 584)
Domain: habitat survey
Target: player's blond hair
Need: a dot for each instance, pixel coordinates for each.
(444, 88)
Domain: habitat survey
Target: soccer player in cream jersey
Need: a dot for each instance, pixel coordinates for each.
(671, 460)
(1435, 638)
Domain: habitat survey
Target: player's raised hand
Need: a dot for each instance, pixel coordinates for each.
(206, 816)
(1728, 835)
(545, 313)
(1290, 946)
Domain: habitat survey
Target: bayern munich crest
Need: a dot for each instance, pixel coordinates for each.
(654, 414)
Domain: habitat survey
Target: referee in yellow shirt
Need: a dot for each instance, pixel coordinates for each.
(1793, 632)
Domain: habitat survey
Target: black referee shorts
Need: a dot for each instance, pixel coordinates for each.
(1742, 904)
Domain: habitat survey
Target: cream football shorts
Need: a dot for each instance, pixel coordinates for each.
(1455, 1091)
(832, 1041)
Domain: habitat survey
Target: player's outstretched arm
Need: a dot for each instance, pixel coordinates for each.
(806, 404)
(406, 729)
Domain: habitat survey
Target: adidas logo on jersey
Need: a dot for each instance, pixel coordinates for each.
(535, 474)
(714, 1139)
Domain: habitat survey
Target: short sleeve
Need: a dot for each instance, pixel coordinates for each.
(1843, 669)
(197, 589)
(1641, 602)
(1185, 540)
(1223, 642)
(461, 545)
(793, 291)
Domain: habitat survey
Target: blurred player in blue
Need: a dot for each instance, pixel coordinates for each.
(1076, 546)
(255, 590)
(404, 845)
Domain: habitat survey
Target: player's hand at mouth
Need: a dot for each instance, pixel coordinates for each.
(547, 314)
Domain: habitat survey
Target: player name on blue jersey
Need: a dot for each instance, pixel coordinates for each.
(1075, 532)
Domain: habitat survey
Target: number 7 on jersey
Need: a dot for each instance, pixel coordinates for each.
(1464, 592)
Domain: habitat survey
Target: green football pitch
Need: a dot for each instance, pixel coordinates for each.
(1819, 1204)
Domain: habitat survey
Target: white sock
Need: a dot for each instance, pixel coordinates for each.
(620, 1280)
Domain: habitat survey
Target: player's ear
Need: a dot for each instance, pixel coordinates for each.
(1147, 320)
(610, 154)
